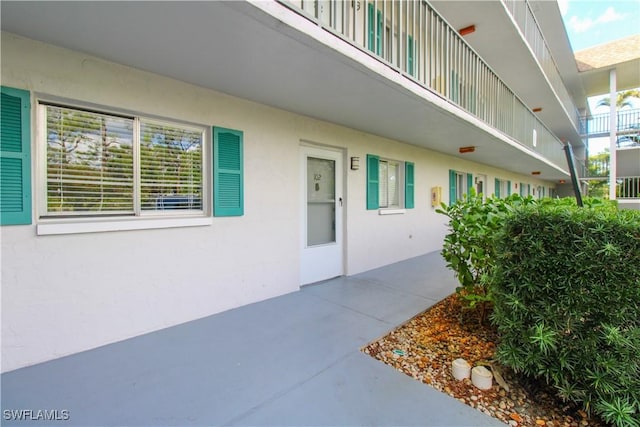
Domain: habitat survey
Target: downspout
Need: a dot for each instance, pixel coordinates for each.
(574, 176)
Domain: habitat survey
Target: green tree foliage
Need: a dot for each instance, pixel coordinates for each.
(468, 249)
(623, 99)
(598, 166)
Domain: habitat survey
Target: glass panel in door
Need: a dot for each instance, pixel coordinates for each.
(321, 201)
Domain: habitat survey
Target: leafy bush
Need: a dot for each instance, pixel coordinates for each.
(566, 291)
(469, 249)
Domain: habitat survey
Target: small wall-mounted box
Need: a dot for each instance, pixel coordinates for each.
(436, 196)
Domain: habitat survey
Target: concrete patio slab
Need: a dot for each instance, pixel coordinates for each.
(360, 391)
(291, 360)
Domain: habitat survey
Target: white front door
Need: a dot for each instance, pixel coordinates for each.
(481, 186)
(322, 256)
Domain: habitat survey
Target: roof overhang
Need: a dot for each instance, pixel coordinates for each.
(597, 81)
(595, 65)
(264, 52)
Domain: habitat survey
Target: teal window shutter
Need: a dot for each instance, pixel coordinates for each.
(469, 183)
(15, 156)
(371, 26)
(410, 53)
(374, 23)
(373, 181)
(409, 193)
(497, 188)
(228, 181)
(508, 188)
(453, 187)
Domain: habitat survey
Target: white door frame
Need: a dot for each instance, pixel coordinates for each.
(323, 261)
(481, 178)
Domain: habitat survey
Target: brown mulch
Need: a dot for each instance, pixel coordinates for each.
(425, 346)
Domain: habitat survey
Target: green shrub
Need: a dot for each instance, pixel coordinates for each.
(566, 291)
(468, 248)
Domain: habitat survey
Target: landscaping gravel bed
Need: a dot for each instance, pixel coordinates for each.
(425, 346)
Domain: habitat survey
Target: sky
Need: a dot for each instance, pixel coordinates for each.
(593, 22)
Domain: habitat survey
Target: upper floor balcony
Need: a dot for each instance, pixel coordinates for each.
(628, 126)
(395, 69)
(525, 19)
(412, 37)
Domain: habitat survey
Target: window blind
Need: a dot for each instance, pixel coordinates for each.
(170, 167)
(105, 164)
(89, 162)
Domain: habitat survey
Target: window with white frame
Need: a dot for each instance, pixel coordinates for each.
(460, 184)
(389, 189)
(103, 164)
(502, 188)
(462, 187)
(390, 184)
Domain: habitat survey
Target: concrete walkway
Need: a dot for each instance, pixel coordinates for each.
(294, 360)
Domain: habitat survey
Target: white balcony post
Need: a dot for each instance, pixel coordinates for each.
(613, 128)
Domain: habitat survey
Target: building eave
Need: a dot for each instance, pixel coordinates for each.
(266, 53)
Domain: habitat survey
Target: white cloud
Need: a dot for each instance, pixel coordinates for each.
(610, 15)
(581, 25)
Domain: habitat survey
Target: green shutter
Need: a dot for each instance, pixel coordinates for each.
(228, 192)
(410, 50)
(496, 192)
(374, 26)
(15, 157)
(409, 194)
(371, 26)
(453, 187)
(373, 181)
(508, 188)
(469, 183)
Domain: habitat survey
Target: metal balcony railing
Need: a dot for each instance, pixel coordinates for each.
(628, 187)
(525, 19)
(411, 37)
(600, 124)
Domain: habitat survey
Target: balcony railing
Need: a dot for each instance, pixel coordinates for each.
(600, 124)
(628, 187)
(525, 19)
(411, 37)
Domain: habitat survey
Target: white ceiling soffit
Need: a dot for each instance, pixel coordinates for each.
(240, 49)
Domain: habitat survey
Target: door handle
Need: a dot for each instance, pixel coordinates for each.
(340, 200)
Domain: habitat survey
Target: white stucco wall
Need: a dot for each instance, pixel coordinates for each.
(63, 294)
